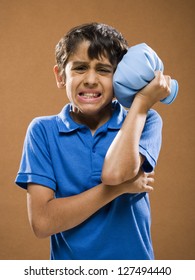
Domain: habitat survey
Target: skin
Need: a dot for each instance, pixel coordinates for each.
(83, 75)
(88, 86)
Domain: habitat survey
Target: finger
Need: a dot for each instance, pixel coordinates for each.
(164, 80)
(149, 189)
(150, 180)
(168, 81)
(157, 73)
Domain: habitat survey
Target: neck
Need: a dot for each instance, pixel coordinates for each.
(93, 121)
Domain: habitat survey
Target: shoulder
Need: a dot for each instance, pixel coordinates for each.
(42, 121)
(153, 122)
(153, 117)
(41, 124)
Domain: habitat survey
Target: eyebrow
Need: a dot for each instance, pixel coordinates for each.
(105, 65)
(75, 63)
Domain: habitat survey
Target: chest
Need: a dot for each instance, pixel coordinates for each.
(78, 159)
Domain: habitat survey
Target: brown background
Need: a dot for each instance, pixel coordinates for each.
(29, 30)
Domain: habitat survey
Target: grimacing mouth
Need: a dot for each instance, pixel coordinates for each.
(90, 94)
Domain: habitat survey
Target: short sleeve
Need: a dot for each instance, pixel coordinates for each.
(36, 164)
(151, 140)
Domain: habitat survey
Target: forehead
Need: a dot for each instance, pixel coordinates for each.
(81, 54)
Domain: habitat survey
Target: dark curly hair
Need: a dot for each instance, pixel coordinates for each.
(104, 41)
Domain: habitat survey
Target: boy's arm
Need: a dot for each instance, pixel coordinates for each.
(123, 160)
(49, 215)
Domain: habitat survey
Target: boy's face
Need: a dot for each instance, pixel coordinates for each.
(89, 82)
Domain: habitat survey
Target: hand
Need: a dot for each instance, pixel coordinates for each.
(141, 183)
(156, 90)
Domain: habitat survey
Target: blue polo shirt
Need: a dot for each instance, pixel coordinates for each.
(63, 155)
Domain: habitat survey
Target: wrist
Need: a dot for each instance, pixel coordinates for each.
(143, 102)
(114, 190)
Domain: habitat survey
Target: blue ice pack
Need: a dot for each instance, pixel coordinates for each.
(135, 71)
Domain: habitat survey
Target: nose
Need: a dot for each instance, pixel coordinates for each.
(91, 78)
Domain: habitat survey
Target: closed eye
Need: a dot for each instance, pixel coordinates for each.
(104, 70)
(80, 68)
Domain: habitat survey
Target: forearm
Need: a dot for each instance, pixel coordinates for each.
(60, 214)
(123, 161)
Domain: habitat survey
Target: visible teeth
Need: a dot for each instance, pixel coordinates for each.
(90, 94)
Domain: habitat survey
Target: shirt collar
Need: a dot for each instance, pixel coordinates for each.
(118, 116)
(67, 124)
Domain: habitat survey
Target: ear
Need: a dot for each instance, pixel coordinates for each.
(60, 79)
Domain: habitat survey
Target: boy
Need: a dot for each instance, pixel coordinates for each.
(88, 170)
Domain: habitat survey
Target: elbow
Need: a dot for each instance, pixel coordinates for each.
(40, 229)
(118, 177)
(40, 234)
(110, 179)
